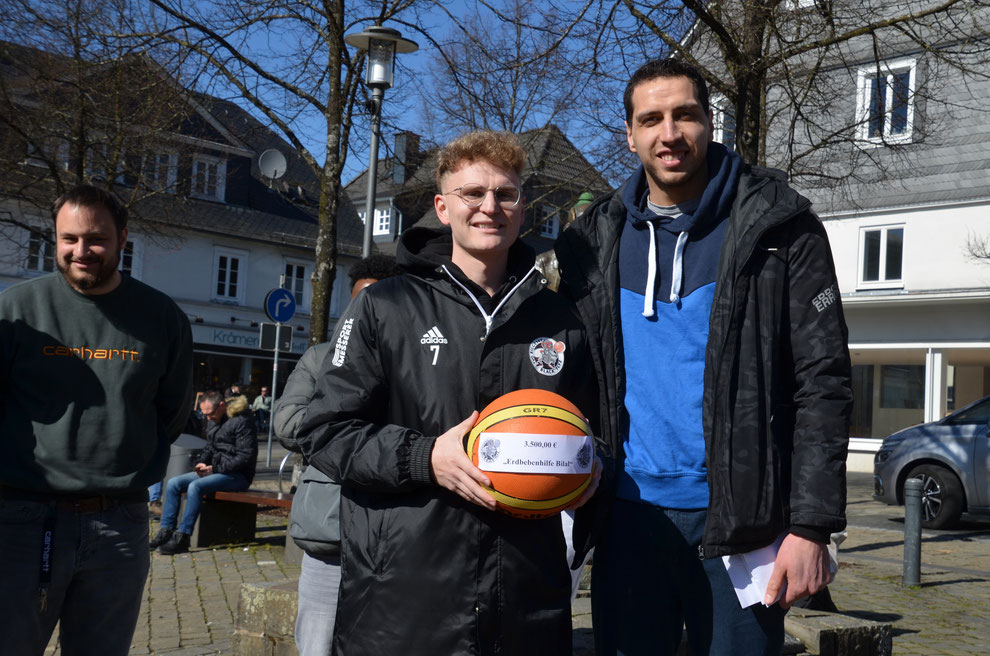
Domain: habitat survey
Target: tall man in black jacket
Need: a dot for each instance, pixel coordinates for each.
(427, 566)
(710, 286)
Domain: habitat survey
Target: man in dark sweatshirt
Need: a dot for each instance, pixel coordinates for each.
(709, 284)
(95, 383)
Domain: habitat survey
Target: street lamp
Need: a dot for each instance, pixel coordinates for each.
(381, 43)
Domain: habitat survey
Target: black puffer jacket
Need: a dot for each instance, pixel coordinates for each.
(425, 572)
(232, 445)
(777, 394)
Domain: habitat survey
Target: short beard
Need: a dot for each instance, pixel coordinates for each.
(89, 281)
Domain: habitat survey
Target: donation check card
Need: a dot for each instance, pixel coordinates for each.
(528, 453)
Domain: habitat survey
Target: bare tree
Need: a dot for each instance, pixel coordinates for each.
(78, 103)
(780, 72)
(290, 63)
(498, 70)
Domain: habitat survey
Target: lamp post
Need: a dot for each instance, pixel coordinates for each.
(381, 43)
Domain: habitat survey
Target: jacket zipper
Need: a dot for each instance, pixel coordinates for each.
(489, 319)
(725, 333)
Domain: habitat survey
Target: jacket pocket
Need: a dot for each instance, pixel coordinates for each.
(382, 541)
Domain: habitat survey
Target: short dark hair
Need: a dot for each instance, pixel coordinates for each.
(86, 195)
(669, 67)
(375, 266)
(213, 397)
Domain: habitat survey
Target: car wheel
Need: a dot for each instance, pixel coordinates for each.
(941, 495)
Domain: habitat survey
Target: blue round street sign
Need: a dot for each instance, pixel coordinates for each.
(280, 305)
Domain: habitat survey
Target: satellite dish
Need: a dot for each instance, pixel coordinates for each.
(272, 164)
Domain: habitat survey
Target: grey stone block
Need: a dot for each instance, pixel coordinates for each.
(266, 619)
(834, 634)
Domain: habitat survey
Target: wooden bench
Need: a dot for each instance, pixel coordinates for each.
(227, 517)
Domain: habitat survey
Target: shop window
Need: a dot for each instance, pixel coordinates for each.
(902, 387)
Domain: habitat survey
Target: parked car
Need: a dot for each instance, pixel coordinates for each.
(951, 456)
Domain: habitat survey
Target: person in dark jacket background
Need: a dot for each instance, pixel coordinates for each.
(319, 577)
(727, 395)
(427, 566)
(226, 463)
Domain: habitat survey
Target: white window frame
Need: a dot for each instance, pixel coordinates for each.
(721, 111)
(171, 167)
(882, 282)
(242, 268)
(136, 256)
(221, 171)
(863, 100)
(51, 256)
(53, 148)
(383, 220)
(307, 287)
(549, 221)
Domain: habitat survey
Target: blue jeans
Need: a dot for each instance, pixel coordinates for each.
(98, 567)
(195, 487)
(155, 491)
(648, 583)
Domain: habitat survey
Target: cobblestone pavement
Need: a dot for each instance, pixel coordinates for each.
(949, 612)
(190, 604)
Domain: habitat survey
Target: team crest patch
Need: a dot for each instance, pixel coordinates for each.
(547, 355)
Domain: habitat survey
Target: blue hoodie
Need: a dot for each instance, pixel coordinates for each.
(665, 299)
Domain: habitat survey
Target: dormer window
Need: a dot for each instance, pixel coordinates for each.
(159, 171)
(549, 224)
(209, 175)
(886, 101)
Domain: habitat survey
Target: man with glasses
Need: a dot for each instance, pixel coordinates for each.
(428, 566)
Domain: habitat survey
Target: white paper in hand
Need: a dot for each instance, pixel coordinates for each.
(750, 573)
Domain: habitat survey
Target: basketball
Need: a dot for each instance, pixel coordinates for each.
(536, 449)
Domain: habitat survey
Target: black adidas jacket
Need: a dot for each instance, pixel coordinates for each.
(425, 572)
(777, 395)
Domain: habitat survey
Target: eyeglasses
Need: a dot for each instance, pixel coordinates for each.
(473, 195)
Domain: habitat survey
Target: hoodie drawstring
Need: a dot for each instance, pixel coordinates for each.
(651, 275)
(677, 277)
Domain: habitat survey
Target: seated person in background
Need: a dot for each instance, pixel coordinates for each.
(262, 407)
(227, 463)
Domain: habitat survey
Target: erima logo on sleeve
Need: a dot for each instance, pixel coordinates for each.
(825, 299)
(340, 349)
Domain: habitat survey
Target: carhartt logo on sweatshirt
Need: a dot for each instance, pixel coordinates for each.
(86, 353)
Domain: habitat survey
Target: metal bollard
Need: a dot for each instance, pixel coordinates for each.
(912, 532)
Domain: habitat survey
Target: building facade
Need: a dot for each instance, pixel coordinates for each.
(207, 227)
